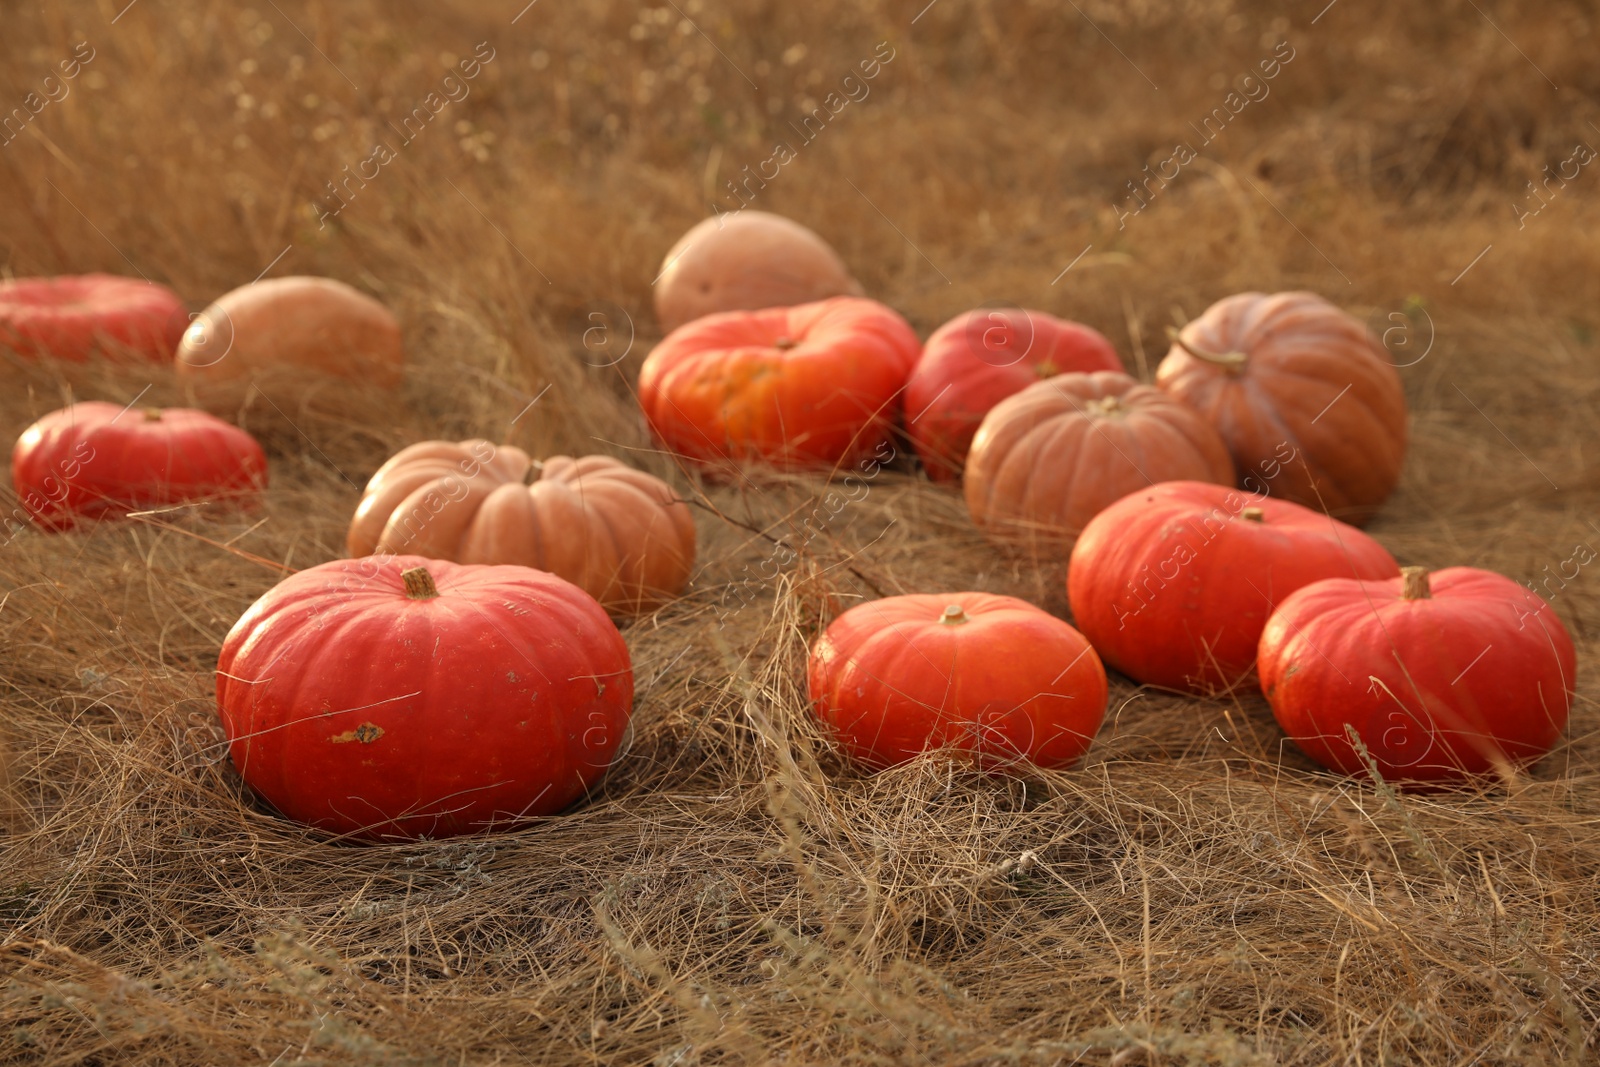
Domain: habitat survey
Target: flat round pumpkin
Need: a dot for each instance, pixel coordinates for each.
(1440, 676)
(991, 676)
(1301, 391)
(744, 261)
(801, 387)
(621, 535)
(1048, 459)
(75, 316)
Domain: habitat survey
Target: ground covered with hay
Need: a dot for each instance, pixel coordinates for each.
(1196, 892)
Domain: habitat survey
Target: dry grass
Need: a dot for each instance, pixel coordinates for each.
(1196, 893)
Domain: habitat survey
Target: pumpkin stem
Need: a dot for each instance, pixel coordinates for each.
(152, 414)
(1106, 405)
(1233, 362)
(1046, 369)
(785, 343)
(1415, 583)
(953, 616)
(1253, 514)
(419, 584)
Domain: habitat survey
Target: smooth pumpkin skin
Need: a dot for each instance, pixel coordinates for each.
(355, 708)
(1174, 583)
(724, 389)
(1479, 676)
(1048, 459)
(282, 327)
(621, 535)
(890, 679)
(96, 460)
(1301, 353)
(75, 316)
(745, 261)
(976, 360)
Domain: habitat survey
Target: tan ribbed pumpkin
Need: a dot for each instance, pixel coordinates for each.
(1050, 458)
(621, 535)
(1311, 409)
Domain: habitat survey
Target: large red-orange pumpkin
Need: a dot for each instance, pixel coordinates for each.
(621, 535)
(976, 360)
(1461, 672)
(809, 386)
(992, 676)
(96, 460)
(1174, 583)
(286, 334)
(406, 697)
(744, 261)
(75, 316)
(1048, 459)
(1311, 409)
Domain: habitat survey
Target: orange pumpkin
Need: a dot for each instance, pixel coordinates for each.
(619, 534)
(1311, 409)
(279, 329)
(1048, 459)
(744, 261)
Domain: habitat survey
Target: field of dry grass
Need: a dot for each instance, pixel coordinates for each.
(1197, 892)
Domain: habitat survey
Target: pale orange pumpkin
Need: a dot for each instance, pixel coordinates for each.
(621, 535)
(745, 261)
(1048, 459)
(274, 332)
(1311, 409)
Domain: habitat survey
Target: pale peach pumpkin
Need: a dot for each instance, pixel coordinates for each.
(274, 332)
(1050, 458)
(745, 261)
(621, 535)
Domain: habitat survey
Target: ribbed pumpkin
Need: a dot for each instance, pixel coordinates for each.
(621, 535)
(744, 261)
(97, 460)
(402, 697)
(1048, 459)
(1442, 676)
(808, 386)
(1173, 583)
(976, 360)
(990, 675)
(1290, 375)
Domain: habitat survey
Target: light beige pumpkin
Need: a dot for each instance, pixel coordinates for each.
(621, 535)
(747, 261)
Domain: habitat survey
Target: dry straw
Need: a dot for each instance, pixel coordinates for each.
(1195, 893)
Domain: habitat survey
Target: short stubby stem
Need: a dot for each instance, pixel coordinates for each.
(785, 343)
(152, 414)
(1253, 515)
(953, 616)
(1414, 583)
(419, 584)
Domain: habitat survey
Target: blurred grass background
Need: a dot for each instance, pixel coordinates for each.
(1196, 893)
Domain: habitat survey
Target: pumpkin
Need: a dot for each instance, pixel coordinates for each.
(976, 360)
(810, 386)
(1441, 676)
(1174, 583)
(276, 331)
(617, 533)
(97, 460)
(745, 261)
(991, 676)
(1047, 460)
(404, 697)
(1311, 409)
(75, 316)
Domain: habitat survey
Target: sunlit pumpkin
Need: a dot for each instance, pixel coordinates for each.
(1311, 408)
(621, 535)
(991, 676)
(1174, 583)
(1440, 676)
(73, 317)
(96, 460)
(397, 696)
(1048, 459)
